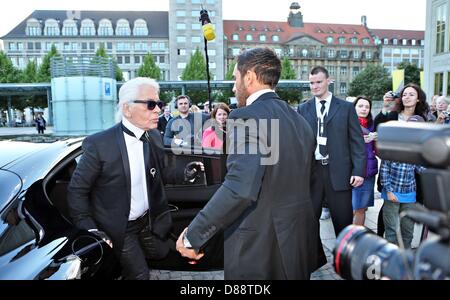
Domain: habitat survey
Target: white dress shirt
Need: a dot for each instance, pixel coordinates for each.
(252, 98)
(139, 197)
(320, 116)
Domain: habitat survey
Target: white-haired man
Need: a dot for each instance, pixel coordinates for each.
(117, 190)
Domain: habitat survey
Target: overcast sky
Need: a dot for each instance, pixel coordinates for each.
(381, 14)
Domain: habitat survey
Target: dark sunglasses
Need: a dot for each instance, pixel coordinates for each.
(151, 104)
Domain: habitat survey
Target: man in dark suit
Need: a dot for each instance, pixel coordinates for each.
(164, 119)
(117, 192)
(339, 158)
(264, 205)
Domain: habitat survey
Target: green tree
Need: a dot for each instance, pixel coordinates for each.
(101, 52)
(373, 82)
(195, 68)
(30, 73)
(44, 72)
(229, 74)
(149, 68)
(287, 71)
(8, 73)
(412, 72)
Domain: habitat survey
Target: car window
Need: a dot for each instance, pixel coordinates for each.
(10, 185)
(14, 230)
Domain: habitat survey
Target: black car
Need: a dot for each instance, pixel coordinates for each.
(37, 237)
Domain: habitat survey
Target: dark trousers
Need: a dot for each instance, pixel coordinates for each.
(139, 245)
(339, 202)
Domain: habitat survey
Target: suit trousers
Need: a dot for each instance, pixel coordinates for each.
(140, 245)
(339, 202)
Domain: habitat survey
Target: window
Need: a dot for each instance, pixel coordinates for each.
(195, 13)
(235, 37)
(127, 59)
(181, 1)
(355, 71)
(195, 39)
(343, 88)
(211, 52)
(181, 65)
(92, 45)
(181, 39)
(440, 27)
(354, 40)
(278, 51)
(212, 65)
(51, 27)
(413, 42)
(37, 46)
(123, 28)
(211, 1)
(332, 70)
(196, 26)
(123, 46)
(20, 46)
(438, 83)
(181, 13)
(196, 1)
(33, 27)
(386, 41)
(368, 55)
(109, 45)
(83, 46)
(394, 41)
(140, 27)
(181, 26)
(344, 53)
(275, 38)
(343, 71)
(181, 51)
(87, 28)
(330, 40)
(162, 59)
(248, 37)
(140, 46)
(30, 46)
(404, 42)
(366, 41)
(119, 60)
(304, 53)
(70, 28)
(331, 53)
(105, 28)
(262, 38)
(342, 40)
(235, 51)
(356, 54)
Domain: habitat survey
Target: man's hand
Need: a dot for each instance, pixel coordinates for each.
(187, 252)
(391, 197)
(193, 169)
(356, 181)
(102, 235)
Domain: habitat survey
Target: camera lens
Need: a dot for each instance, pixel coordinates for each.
(360, 254)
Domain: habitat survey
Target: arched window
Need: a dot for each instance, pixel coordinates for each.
(275, 38)
(342, 40)
(123, 27)
(51, 27)
(330, 40)
(87, 27)
(140, 27)
(69, 28)
(33, 27)
(105, 28)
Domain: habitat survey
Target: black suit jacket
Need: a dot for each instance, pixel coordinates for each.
(99, 193)
(345, 143)
(162, 123)
(266, 210)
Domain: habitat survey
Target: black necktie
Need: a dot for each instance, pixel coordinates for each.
(322, 132)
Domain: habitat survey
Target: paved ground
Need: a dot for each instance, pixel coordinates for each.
(326, 233)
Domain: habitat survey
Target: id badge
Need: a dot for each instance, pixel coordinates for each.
(322, 141)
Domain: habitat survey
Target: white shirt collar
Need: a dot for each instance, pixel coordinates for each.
(328, 99)
(256, 95)
(138, 132)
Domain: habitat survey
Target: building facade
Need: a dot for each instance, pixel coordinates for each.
(344, 49)
(126, 35)
(397, 46)
(437, 48)
(186, 35)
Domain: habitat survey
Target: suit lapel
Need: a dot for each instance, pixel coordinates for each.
(123, 151)
(312, 114)
(334, 107)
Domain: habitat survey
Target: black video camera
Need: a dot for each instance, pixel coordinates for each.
(361, 254)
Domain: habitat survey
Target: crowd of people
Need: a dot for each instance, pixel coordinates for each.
(327, 154)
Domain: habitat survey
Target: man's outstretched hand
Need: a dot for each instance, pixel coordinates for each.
(192, 170)
(185, 251)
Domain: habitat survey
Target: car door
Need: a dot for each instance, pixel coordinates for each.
(186, 199)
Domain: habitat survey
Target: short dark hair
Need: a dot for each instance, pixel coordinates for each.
(264, 62)
(319, 69)
(183, 97)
